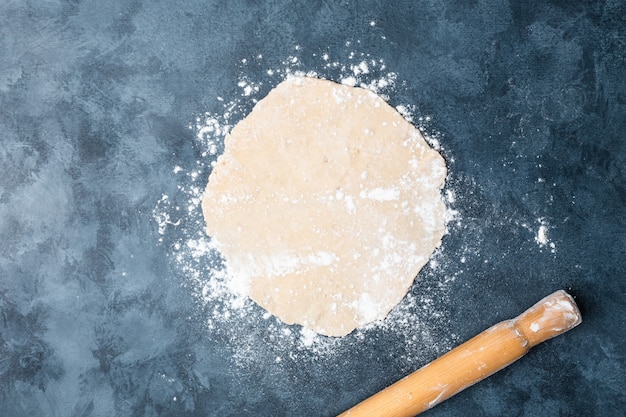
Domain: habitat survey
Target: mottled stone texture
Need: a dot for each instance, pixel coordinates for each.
(529, 99)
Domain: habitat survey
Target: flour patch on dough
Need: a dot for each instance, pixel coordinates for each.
(327, 202)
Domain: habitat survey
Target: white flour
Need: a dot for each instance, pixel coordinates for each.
(419, 320)
(542, 237)
(420, 323)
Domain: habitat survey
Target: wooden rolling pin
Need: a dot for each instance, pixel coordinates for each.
(474, 360)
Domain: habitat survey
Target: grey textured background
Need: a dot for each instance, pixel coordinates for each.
(96, 99)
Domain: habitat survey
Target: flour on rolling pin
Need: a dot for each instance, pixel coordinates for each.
(550, 316)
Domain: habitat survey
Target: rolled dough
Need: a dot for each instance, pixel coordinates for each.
(325, 204)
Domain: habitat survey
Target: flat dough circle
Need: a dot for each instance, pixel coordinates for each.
(325, 204)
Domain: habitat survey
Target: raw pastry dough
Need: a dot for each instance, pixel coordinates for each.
(325, 204)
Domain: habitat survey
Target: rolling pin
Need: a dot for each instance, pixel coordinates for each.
(473, 361)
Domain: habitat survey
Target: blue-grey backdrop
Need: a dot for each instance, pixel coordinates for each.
(527, 98)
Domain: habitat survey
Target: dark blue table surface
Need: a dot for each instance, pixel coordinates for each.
(110, 305)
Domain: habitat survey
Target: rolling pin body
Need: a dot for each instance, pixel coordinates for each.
(474, 360)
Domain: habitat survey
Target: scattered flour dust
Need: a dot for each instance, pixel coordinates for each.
(420, 323)
(541, 234)
(421, 320)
